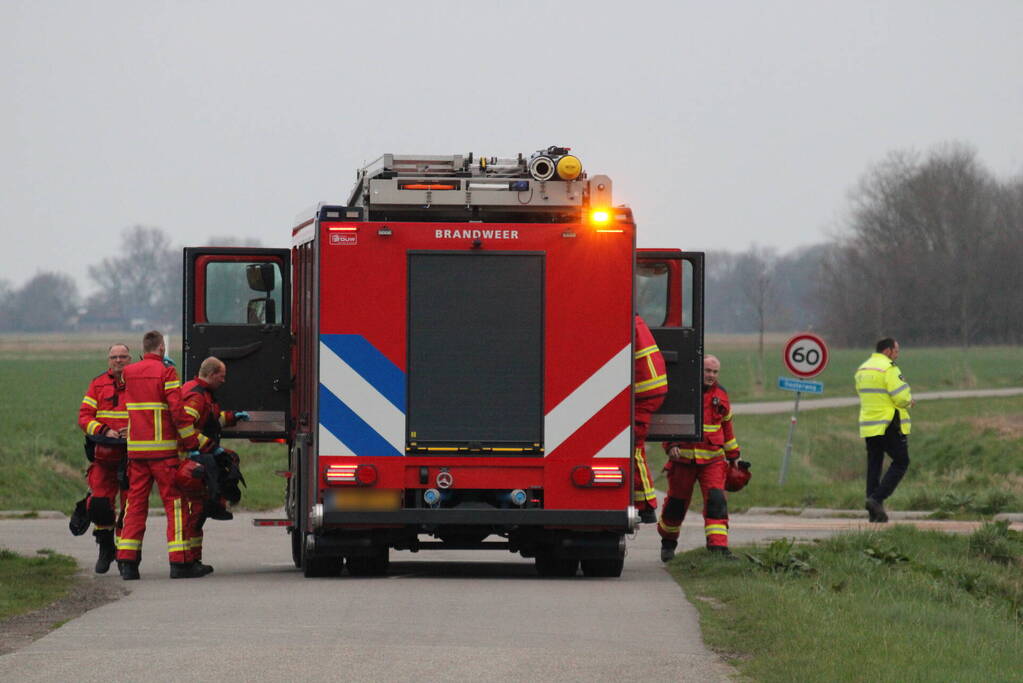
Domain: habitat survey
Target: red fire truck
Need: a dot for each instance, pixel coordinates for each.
(449, 357)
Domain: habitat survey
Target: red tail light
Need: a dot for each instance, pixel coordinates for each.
(351, 475)
(589, 476)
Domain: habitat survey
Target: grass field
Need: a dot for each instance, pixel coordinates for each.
(965, 454)
(893, 605)
(27, 583)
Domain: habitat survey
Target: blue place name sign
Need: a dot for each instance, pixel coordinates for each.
(806, 386)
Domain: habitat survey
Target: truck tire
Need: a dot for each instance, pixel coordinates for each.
(315, 567)
(604, 567)
(549, 565)
(370, 565)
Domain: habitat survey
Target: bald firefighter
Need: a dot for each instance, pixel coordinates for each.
(104, 419)
(156, 422)
(207, 482)
(706, 462)
(651, 387)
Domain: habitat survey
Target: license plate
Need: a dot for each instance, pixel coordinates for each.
(366, 499)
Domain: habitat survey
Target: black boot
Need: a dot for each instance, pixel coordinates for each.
(668, 549)
(204, 568)
(186, 570)
(129, 570)
(876, 511)
(107, 550)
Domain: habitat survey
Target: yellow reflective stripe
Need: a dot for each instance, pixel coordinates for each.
(192, 411)
(712, 529)
(643, 353)
(647, 491)
(89, 401)
(173, 546)
(223, 418)
(93, 427)
(120, 414)
(711, 428)
(668, 528)
(196, 542)
(647, 385)
(129, 544)
(203, 440)
(727, 418)
(152, 446)
(185, 432)
(179, 526)
(173, 384)
(731, 445)
(152, 405)
(98, 527)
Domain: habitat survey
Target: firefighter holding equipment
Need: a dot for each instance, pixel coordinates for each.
(651, 388)
(104, 419)
(707, 462)
(209, 478)
(156, 423)
(885, 400)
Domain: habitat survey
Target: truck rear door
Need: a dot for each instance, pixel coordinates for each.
(669, 297)
(238, 308)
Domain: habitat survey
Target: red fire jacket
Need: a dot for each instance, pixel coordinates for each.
(102, 409)
(207, 417)
(651, 377)
(718, 438)
(156, 417)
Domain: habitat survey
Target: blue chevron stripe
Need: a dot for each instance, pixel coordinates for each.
(372, 366)
(351, 429)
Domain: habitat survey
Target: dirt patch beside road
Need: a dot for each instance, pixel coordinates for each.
(85, 594)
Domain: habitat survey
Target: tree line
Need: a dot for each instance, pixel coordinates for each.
(930, 252)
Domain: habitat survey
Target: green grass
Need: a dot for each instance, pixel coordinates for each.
(926, 369)
(42, 462)
(962, 450)
(894, 605)
(963, 459)
(27, 583)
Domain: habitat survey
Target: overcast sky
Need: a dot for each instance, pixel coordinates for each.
(722, 124)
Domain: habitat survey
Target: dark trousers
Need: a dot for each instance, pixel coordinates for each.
(894, 443)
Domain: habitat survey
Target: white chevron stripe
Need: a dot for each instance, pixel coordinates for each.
(362, 397)
(331, 445)
(588, 398)
(618, 447)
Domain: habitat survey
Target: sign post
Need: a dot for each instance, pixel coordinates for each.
(805, 356)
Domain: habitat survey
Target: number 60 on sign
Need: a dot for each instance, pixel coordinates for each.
(805, 355)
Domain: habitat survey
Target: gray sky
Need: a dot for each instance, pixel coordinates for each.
(721, 124)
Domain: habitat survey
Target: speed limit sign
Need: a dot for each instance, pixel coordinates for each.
(806, 355)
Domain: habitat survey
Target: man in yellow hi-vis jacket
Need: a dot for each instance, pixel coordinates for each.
(885, 400)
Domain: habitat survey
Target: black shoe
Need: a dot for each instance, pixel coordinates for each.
(129, 570)
(647, 516)
(220, 514)
(668, 550)
(876, 511)
(204, 568)
(721, 550)
(186, 570)
(107, 551)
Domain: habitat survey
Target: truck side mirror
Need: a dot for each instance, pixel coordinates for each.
(261, 276)
(261, 312)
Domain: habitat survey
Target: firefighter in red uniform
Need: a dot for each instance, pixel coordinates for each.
(156, 422)
(651, 388)
(201, 405)
(104, 419)
(706, 462)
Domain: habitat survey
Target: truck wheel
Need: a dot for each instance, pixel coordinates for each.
(549, 565)
(296, 547)
(313, 567)
(370, 565)
(606, 567)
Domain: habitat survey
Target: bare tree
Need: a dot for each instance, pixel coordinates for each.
(144, 280)
(46, 303)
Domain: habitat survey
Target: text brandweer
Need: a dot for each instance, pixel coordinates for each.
(477, 234)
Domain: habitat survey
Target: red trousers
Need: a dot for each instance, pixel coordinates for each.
(141, 474)
(102, 479)
(681, 478)
(193, 527)
(643, 495)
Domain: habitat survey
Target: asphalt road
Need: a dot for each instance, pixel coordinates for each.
(438, 615)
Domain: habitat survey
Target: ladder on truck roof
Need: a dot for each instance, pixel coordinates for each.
(461, 187)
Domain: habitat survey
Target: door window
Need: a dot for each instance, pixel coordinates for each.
(230, 298)
(652, 280)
